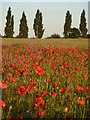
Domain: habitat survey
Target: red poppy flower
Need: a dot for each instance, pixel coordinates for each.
(20, 71)
(14, 79)
(13, 66)
(9, 75)
(70, 89)
(54, 85)
(39, 70)
(53, 94)
(44, 93)
(3, 86)
(44, 106)
(38, 102)
(35, 83)
(48, 80)
(80, 89)
(62, 90)
(22, 90)
(56, 73)
(80, 102)
(30, 84)
(41, 113)
(2, 104)
(87, 89)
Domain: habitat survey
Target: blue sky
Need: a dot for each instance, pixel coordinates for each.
(53, 15)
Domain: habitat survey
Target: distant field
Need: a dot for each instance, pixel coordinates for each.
(81, 43)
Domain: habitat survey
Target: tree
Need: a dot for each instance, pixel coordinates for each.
(9, 24)
(83, 23)
(12, 25)
(23, 28)
(67, 25)
(74, 33)
(88, 35)
(54, 36)
(38, 26)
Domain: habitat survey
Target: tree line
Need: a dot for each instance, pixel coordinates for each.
(38, 26)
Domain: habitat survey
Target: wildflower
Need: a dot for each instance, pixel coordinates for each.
(41, 112)
(22, 90)
(14, 80)
(38, 101)
(9, 75)
(2, 104)
(39, 70)
(44, 93)
(80, 102)
(13, 66)
(54, 85)
(44, 106)
(53, 94)
(3, 86)
(56, 73)
(62, 90)
(80, 89)
(70, 89)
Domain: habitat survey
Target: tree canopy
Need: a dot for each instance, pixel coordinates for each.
(67, 25)
(83, 24)
(74, 33)
(23, 28)
(38, 26)
(9, 29)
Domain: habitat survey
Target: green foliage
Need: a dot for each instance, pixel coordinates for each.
(88, 35)
(54, 36)
(9, 24)
(67, 25)
(23, 28)
(83, 23)
(74, 33)
(12, 25)
(38, 26)
(17, 36)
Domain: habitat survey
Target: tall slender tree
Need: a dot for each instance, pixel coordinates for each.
(83, 24)
(38, 26)
(9, 24)
(23, 28)
(12, 25)
(67, 25)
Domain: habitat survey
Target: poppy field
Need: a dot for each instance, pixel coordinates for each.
(44, 82)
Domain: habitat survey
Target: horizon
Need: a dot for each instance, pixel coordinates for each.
(52, 23)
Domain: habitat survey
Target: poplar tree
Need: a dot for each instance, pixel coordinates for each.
(83, 24)
(67, 25)
(9, 24)
(23, 28)
(38, 26)
(12, 25)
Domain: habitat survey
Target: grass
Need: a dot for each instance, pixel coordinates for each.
(80, 43)
(38, 81)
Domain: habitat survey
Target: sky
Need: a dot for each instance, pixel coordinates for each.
(53, 14)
